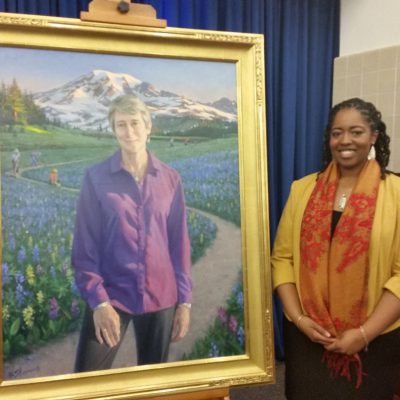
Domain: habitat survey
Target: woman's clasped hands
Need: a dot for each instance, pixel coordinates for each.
(348, 342)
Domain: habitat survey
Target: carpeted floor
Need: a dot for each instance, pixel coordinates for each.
(263, 392)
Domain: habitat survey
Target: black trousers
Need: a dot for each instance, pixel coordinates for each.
(152, 334)
(307, 378)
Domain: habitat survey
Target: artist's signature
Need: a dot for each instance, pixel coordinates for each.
(20, 372)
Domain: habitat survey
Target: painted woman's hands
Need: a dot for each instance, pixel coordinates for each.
(181, 323)
(107, 325)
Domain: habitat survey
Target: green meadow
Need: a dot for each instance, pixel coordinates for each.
(58, 145)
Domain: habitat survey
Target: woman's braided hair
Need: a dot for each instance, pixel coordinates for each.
(374, 118)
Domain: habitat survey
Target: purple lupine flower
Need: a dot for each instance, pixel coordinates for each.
(74, 288)
(20, 294)
(222, 316)
(239, 299)
(21, 256)
(214, 350)
(54, 308)
(75, 310)
(61, 252)
(6, 274)
(53, 272)
(240, 335)
(35, 254)
(233, 324)
(19, 277)
(237, 287)
(11, 242)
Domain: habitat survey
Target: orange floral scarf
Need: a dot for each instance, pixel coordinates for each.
(334, 271)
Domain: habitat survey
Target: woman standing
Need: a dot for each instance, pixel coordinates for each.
(336, 266)
(131, 250)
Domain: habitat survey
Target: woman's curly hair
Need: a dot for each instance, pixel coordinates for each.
(374, 118)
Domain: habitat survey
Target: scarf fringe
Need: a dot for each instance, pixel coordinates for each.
(340, 364)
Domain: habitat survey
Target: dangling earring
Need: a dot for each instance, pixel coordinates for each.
(372, 153)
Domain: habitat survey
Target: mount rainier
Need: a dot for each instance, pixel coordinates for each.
(83, 103)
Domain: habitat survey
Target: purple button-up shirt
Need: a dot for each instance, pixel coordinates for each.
(131, 244)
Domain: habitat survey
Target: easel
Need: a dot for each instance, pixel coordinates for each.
(125, 12)
(122, 12)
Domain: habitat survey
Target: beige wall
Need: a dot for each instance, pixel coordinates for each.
(368, 25)
(374, 76)
(369, 62)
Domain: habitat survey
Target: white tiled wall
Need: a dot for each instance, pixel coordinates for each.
(373, 76)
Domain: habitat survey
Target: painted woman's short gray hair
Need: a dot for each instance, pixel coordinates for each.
(129, 104)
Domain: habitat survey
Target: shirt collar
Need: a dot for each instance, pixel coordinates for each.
(116, 163)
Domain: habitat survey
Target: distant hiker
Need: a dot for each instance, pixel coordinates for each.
(15, 160)
(35, 158)
(53, 177)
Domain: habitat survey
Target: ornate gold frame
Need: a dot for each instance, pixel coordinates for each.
(247, 52)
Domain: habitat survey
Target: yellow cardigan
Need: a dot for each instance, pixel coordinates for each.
(384, 250)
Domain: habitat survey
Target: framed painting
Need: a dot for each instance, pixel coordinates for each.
(205, 93)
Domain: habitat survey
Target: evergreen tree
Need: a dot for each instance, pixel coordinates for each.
(15, 104)
(19, 108)
(3, 97)
(35, 115)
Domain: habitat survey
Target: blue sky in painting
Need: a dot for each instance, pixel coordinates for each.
(41, 70)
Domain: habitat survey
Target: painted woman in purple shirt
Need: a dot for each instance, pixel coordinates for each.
(131, 249)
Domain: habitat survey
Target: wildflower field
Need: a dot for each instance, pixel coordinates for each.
(40, 299)
(226, 337)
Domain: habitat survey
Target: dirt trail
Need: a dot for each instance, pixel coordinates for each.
(213, 277)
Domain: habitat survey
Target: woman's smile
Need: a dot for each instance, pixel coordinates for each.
(347, 153)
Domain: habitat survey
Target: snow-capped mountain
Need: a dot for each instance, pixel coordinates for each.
(225, 104)
(83, 103)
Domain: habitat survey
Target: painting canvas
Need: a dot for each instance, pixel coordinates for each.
(206, 123)
(55, 119)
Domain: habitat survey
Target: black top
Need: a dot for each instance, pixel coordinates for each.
(335, 219)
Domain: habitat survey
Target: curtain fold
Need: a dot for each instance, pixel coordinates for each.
(301, 39)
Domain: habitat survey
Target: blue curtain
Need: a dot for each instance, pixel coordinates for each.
(301, 38)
